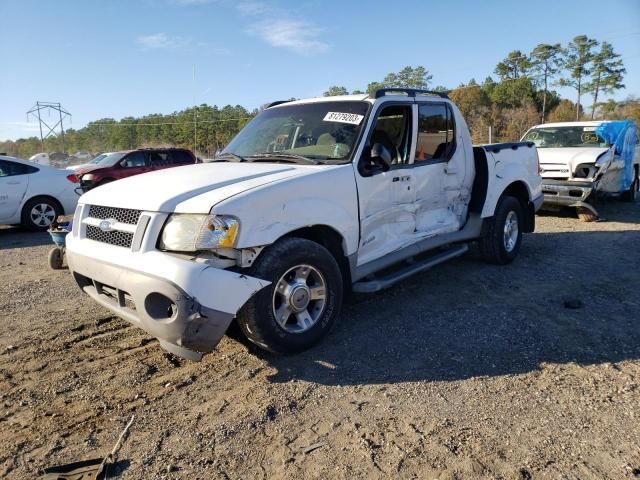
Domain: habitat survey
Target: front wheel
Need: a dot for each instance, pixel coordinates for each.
(302, 302)
(502, 234)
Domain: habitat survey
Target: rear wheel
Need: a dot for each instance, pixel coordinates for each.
(502, 233)
(40, 212)
(302, 302)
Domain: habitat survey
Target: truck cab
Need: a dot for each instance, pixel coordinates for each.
(311, 198)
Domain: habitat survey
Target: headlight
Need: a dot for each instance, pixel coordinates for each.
(185, 232)
(88, 177)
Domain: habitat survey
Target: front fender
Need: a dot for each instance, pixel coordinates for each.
(267, 213)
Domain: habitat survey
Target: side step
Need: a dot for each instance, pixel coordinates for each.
(381, 283)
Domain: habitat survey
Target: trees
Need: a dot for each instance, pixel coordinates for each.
(408, 77)
(335, 90)
(577, 59)
(514, 66)
(564, 112)
(606, 74)
(546, 60)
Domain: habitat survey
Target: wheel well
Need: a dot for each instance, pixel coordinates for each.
(520, 191)
(48, 197)
(332, 241)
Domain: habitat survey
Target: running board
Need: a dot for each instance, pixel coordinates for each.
(387, 281)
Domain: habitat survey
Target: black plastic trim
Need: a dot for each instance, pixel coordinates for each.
(496, 147)
(410, 92)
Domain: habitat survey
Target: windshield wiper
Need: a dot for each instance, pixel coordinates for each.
(265, 157)
(229, 155)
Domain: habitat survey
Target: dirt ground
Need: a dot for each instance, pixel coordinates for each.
(466, 371)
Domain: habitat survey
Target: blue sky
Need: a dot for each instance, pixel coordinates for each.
(117, 58)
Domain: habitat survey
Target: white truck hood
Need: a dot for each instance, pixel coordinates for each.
(190, 189)
(562, 162)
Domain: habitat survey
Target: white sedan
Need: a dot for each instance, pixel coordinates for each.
(34, 195)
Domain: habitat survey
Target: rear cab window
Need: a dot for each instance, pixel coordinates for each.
(436, 133)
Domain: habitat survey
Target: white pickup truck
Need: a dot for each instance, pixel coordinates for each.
(580, 160)
(311, 197)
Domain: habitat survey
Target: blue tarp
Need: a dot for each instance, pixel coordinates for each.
(622, 134)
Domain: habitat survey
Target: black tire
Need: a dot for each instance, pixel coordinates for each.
(492, 244)
(257, 318)
(56, 258)
(630, 195)
(50, 208)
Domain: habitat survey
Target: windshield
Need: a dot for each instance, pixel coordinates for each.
(110, 159)
(98, 159)
(323, 131)
(558, 137)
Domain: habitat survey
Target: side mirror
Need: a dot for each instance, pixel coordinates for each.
(380, 156)
(374, 159)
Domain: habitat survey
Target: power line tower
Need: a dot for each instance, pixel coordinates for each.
(49, 131)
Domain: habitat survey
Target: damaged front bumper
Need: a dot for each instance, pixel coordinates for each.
(567, 193)
(187, 305)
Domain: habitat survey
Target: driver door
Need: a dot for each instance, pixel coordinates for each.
(386, 198)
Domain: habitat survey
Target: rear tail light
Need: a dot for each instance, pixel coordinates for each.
(72, 178)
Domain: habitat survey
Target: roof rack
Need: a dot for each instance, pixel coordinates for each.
(277, 102)
(410, 92)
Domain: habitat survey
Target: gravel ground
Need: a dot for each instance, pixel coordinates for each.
(466, 371)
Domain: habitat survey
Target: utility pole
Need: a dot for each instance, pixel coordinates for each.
(50, 130)
(195, 116)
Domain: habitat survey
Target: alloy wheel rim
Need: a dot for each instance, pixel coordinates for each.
(510, 237)
(42, 214)
(299, 299)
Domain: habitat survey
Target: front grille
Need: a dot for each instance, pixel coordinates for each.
(113, 237)
(122, 215)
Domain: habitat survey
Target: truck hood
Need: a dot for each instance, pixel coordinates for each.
(562, 162)
(192, 188)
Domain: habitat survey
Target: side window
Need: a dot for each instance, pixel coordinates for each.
(393, 131)
(436, 133)
(135, 159)
(180, 156)
(160, 158)
(9, 169)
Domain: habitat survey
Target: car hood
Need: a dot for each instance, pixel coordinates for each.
(82, 169)
(563, 161)
(192, 188)
(77, 168)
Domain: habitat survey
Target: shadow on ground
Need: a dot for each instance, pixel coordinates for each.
(468, 319)
(18, 237)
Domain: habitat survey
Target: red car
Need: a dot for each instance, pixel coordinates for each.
(117, 165)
